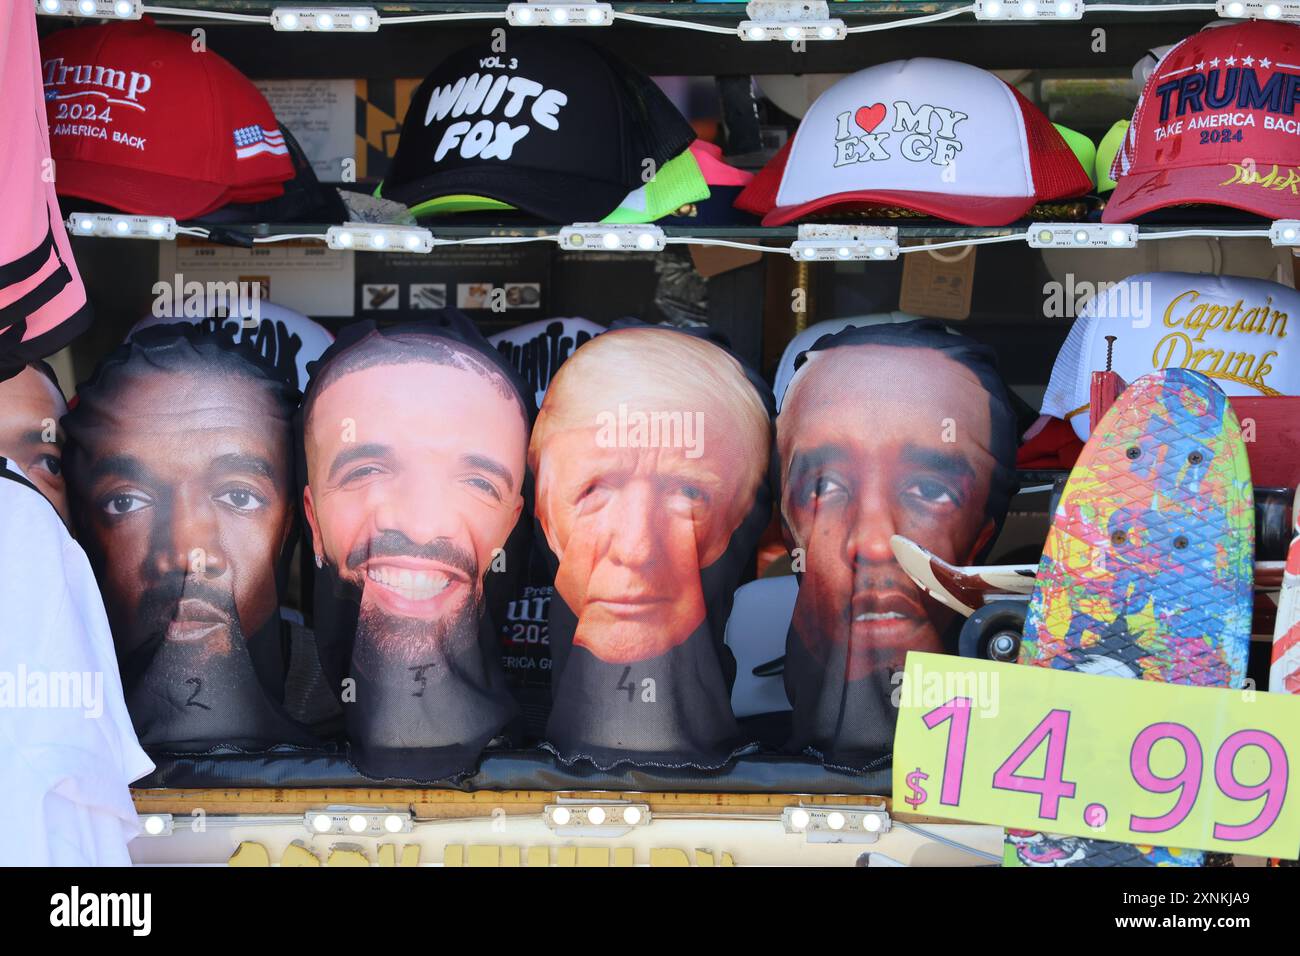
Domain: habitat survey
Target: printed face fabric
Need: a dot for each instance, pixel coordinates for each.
(415, 449)
(650, 455)
(181, 482)
(876, 440)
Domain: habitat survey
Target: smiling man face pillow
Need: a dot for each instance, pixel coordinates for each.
(415, 447)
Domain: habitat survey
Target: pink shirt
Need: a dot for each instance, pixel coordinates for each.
(42, 302)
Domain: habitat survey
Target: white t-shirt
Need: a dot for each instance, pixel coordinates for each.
(68, 751)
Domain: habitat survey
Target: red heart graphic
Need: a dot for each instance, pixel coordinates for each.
(869, 117)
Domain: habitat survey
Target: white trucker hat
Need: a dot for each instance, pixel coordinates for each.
(941, 138)
(1234, 330)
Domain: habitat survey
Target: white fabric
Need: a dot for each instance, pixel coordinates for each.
(1177, 319)
(538, 349)
(292, 330)
(65, 770)
(986, 153)
(809, 336)
(756, 633)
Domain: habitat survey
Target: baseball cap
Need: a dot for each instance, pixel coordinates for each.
(305, 198)
(554, 127)
(937, 137)
(1216, 124)
(1230, 328)
(141, 122)
(678, 183)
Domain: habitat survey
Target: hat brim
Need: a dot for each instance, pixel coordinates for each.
(143, 193)
(1136, 196)
(557, 197)
(965, 210)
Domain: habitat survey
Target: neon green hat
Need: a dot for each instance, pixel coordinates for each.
(678, 183)
(1106, 152)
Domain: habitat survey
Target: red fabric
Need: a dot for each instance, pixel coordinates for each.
(1054, 446)
(1056, 170)
(1205, 163)
(142, 122)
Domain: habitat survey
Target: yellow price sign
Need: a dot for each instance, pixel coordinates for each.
(1108, 758)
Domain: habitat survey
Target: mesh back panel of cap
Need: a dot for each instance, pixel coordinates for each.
(1056, 170)
(759, 197)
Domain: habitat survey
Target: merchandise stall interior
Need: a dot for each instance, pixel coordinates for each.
(774, 96)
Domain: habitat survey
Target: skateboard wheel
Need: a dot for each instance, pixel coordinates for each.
(993, 632)
(1272, 523)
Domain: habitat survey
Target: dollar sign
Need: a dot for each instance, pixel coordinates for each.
(919, 796)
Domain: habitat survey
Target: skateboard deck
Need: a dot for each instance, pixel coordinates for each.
(1284, 672)
(1147, 569)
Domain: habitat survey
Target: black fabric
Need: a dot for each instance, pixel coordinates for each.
(640, 674)
(514, 770)
(180, 473)
(305, 198)
(410, 517)
(16, 348)
(570, 161)
(15, 313)
(28, 264)
(885, 429)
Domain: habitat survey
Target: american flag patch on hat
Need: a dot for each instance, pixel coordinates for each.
(252, 140)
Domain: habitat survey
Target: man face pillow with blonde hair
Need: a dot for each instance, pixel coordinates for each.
(650, 454)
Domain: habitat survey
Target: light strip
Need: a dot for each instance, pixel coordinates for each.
(1029, 10)
(595, 237)
(120, 226)
(1078, 235)
(835, 243)
(560, 14)
(325, 20)
(374, 237)
(107, 9)
(1043, 10)
(358, 821)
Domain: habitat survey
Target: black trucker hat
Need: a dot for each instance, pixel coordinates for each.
(555, 127)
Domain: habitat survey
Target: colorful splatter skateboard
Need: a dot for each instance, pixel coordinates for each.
(1147, 570)
(1284, 673)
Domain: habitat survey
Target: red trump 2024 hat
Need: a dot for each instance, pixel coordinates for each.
(1218, 123)
(141, 122)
